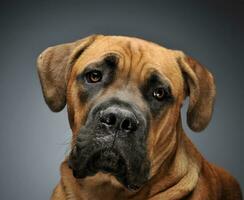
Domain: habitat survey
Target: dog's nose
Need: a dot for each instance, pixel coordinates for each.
(118, 118)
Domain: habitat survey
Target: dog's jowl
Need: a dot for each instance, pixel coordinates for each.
(124, 97)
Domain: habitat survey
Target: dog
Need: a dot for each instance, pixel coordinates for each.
(124, 97)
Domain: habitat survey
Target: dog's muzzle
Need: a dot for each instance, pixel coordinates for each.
(113, 140)
(120, 119)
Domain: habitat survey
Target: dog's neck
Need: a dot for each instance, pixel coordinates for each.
(178, 176)
(104, 185)
(173, 180)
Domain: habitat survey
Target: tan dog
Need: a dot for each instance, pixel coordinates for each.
(124, 97)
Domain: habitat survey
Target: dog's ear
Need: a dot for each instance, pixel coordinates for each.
(200, 87)
(54, 65)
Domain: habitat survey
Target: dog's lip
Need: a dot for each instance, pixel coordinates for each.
(111, 155)
(133, 187)
(82, 153)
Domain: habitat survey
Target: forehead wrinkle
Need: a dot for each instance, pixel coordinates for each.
(141, 64)
(81, 64)
(131, 60)
(136, 63)
(145, 70)
(138, 55)
(135, 53)
(174, 76)
(140, 51)
(148, 71)
(123, 61)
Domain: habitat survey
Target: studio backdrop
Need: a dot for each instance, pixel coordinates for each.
(34, 141)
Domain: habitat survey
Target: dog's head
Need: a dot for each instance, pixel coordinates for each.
(124, 97)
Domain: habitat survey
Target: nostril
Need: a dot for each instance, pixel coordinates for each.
(109, 119)
(128, 125)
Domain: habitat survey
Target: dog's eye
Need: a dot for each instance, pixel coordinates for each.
(94, 76)
(158, 93)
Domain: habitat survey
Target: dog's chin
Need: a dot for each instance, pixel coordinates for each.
(106, 161)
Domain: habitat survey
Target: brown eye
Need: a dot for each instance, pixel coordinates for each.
(94, 76)
(158, 93)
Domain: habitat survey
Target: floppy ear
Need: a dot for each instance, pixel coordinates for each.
(200, 88)
(54, 65)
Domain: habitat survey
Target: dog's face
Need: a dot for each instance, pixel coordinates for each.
(124, 97)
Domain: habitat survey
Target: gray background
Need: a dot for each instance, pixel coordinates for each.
(34, 140)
